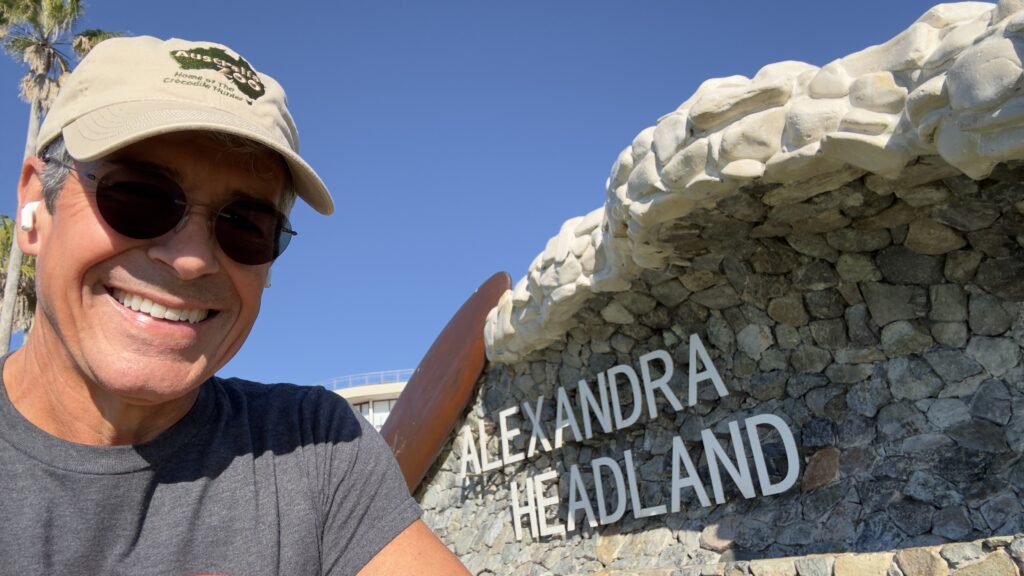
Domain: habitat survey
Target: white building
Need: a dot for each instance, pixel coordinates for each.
(373, 394)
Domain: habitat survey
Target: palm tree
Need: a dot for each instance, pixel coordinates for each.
(34, 31)
(26, 290)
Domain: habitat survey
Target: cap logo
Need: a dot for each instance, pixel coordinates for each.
(237, 70)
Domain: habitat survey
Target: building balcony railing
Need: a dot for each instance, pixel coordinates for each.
(367, 378)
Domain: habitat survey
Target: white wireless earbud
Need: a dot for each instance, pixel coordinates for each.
(267, 285)
(28, 216)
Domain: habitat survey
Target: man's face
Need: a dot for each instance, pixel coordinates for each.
(87, 273)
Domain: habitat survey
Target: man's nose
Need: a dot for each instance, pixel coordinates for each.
(189, 248)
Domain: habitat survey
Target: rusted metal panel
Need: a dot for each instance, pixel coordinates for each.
(436, 395)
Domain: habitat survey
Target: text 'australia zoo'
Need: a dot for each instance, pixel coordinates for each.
(589, 412)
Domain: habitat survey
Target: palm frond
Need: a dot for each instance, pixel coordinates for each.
(6, 235)
(59, 64)
(48, 93)
(6, 18)
(86, 40)
(59, 16)
(28, 14)
(14, 11)
(16, 45)
(27, 87)
(28, 268)
(40, 88)
(25, 302)
(37, 56)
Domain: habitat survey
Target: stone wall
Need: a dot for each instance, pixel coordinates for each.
(846, 245)
(887, 335)
(1000, 556)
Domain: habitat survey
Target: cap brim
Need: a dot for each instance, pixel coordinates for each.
(109, 129)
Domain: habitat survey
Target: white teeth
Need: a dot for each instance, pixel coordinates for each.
(147, 306)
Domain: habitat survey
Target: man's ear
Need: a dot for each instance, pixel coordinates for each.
(32, 212)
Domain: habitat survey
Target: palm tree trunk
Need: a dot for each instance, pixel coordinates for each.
(33, 130)
(10, 299)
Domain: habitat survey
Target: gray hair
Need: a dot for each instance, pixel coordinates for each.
(55, 174)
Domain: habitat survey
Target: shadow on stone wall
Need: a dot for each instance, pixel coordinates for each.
(882, 323)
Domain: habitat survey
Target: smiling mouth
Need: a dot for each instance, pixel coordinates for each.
(159, 311)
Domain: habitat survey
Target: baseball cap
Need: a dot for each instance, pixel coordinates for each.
(130, 89)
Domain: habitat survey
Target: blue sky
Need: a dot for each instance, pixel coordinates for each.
(456, 137)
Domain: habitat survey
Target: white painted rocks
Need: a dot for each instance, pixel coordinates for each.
(936, 100)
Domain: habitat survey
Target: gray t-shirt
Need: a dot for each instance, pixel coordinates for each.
(255, 479)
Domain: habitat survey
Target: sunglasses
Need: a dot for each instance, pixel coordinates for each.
(145, 204)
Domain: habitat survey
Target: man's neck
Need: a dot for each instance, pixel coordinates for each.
(51, 394)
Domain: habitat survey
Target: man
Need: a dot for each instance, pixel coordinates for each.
(155, 207)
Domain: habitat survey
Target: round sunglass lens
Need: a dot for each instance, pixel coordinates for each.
(250, 232)
(139, 209)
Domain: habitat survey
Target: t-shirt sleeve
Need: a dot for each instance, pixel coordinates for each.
(366, 501)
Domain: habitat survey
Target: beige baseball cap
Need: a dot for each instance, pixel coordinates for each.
(130, 89)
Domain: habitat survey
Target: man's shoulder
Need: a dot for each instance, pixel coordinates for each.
(287, 409)
(278, 391)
